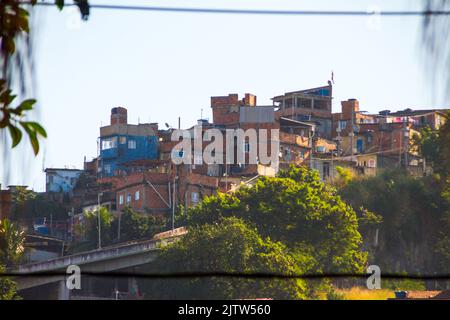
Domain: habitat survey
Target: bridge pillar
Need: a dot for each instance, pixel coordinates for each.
(63, 291)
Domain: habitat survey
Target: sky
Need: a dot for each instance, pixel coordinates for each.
(161, 66)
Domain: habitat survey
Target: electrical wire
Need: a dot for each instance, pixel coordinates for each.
(255, 11)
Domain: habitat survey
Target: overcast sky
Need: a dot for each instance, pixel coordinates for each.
(163, 65)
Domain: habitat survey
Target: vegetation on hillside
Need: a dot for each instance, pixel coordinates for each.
(294, 219)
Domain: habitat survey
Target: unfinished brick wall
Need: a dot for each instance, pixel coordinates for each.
(226, 108)
(348, 107)
(119, 115)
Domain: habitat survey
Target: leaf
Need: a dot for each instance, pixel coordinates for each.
(8, 45)
(5, 97)
(27, 105)
(38, 129)
(59, 4)
(16, 135)
(28, 126)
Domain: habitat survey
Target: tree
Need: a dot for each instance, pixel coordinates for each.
(89, 230)
(135, 226)
(415, 220)
(228, 245)
(29, 205)
(8, 289)
(298, 210)
(434, 146)
(12, 239)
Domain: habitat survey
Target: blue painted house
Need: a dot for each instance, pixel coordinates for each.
(61, 179)
(121, 143)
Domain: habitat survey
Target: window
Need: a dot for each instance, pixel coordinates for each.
(326, 170)
(422, 120)
(194, 197)
(131, 144)
(342, 124)
(109, 143)
(122, 140)
(304, 103)
(304, 117)
(107, 168)
(321, 105)
(136, 195)
(246, 147)
(128, 198)
(287, 154)
(121, 199)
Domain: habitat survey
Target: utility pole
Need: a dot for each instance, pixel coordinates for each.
(311, 142)
(99, 222)
(406, 141)
(352, 133)
(174, 199)
(226, 177)
(118, 228)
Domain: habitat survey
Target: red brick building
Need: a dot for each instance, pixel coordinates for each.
(5, 203)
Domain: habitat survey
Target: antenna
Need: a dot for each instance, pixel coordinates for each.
(201, 113)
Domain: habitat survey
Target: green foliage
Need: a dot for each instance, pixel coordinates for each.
(12, 239)
(227, 245)
(413, 212)
(403, 284)
(334, 295)
(344, 176)
(298, 210)
(91, 225)
(8, 290)
(30, 205)
(135, 226)
(14, 19)
(13, 119)
(427, 144)
(59, 4)
(435, 147)
(23, 195)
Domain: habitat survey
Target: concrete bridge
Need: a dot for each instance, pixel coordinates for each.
(119, 257)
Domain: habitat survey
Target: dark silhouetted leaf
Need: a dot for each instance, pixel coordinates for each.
(16, 135)
(59, 4)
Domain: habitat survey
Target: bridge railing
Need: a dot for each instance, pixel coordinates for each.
(96, 255)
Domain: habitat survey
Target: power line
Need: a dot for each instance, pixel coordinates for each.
(257, 12)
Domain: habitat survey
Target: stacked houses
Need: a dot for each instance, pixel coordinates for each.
(135, 164)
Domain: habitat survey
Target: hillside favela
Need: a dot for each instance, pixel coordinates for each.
(168, 169)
